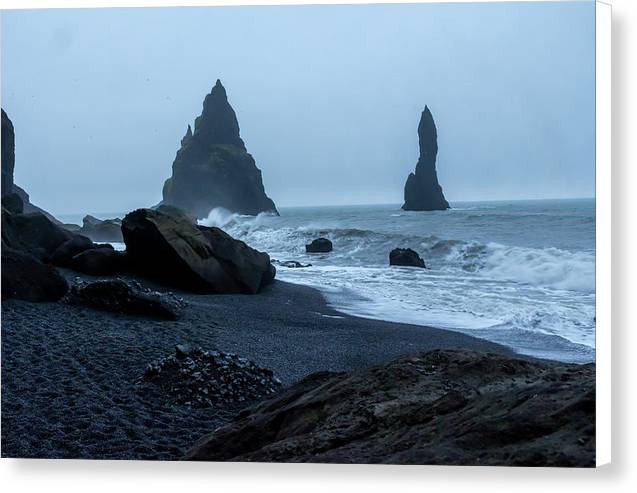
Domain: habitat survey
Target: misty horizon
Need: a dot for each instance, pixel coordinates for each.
(330, 119)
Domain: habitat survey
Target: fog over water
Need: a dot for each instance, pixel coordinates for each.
(328, 98)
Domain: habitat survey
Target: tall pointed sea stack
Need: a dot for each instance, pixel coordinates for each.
(212, 168)
(422, 190)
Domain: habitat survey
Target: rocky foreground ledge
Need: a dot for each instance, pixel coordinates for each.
(441, 407)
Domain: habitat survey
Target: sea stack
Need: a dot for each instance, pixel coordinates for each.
(8, 154)
(422, 190)
(212, 168)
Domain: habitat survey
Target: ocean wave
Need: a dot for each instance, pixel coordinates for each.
(545, 267)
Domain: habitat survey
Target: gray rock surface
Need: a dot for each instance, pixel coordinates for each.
(442, 407)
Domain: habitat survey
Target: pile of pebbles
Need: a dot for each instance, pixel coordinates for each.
(198, 378)
(128, 297)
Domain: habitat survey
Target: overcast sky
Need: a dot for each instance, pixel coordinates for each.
(328, 98)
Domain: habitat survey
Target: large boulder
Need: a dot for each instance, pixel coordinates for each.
(63, 255)
(33, 233)
(405, 257)
(422, 190)
(26, 278)
(102, 260)
(119, 296)
(448, 407)
(320, 245)
(172, 250)
(212, 168)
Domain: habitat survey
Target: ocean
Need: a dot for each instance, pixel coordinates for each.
(520, 273)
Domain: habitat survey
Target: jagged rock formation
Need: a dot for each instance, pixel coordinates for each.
(212, 168)
(422, 190)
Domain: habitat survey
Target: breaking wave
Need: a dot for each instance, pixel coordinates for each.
(548, 267)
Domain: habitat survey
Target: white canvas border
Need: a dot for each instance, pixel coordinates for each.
(102, 475)
(603, 264)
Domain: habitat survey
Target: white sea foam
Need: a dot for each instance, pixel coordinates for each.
(538, 287)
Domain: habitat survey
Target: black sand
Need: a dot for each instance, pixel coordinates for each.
(69, 373)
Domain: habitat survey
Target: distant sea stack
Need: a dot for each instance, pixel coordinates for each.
(422, 190)
(212, 167)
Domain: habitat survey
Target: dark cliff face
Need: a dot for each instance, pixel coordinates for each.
(422, 190)
(8, 154)
(212, 168)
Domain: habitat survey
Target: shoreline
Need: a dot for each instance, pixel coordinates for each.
(69, 373)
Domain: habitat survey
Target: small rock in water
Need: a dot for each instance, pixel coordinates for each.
(406, 257)
(320, 245)
(291, 264)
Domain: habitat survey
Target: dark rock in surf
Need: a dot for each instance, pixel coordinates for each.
(422, 190)
(24, 277)
(448, 407)
(212, 168)
(118, 296)
(101, 230)
(405, 257)
(100, 261)
(320, 245)
(291, 264)
(174, 251)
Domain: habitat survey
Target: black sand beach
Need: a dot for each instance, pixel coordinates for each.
(69, 373)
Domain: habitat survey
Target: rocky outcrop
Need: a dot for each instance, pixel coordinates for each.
(101, 230)
(212, 168)
(405, 257)
(8, 154)
(8, 166)
(130, 298)
(24, 277)
(172, 250)
(422, 190)
(33, 233)
(13, 203)
(442, 407)
(320, 245)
